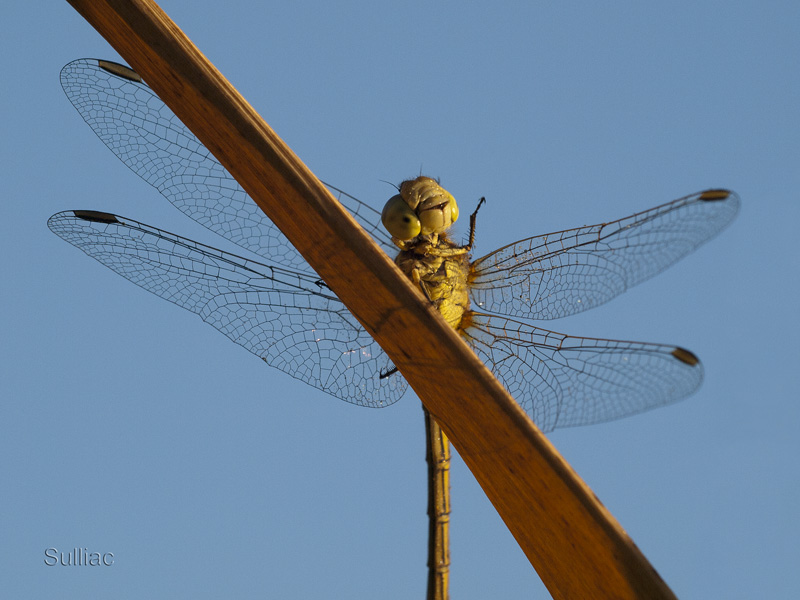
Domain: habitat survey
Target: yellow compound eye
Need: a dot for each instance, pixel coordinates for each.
(453, 209)
(400, 220)
(440, 216)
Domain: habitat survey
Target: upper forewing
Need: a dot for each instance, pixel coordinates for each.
(563, 381)
(147, 136)
(559, 274)
(289, 319)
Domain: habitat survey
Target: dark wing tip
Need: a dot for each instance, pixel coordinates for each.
(95, 216)
(685, 356)
(714, 195)
(120, 70)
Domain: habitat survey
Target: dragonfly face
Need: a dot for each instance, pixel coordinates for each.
(422, 207)
(278, 308)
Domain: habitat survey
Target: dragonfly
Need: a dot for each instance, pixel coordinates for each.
(274, 305)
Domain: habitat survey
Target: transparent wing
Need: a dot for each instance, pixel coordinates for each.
(559, 274)
(147, 136)
(563, 381)
(289, 319)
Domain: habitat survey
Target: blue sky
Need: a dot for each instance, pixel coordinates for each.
(128, 426)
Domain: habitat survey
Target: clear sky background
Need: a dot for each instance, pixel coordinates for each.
(129, 426)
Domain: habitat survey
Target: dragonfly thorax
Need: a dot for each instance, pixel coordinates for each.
(440, 270)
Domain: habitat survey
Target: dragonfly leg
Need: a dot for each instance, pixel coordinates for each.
(472, 220)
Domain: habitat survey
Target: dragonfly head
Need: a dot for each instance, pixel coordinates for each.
(422, 207)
